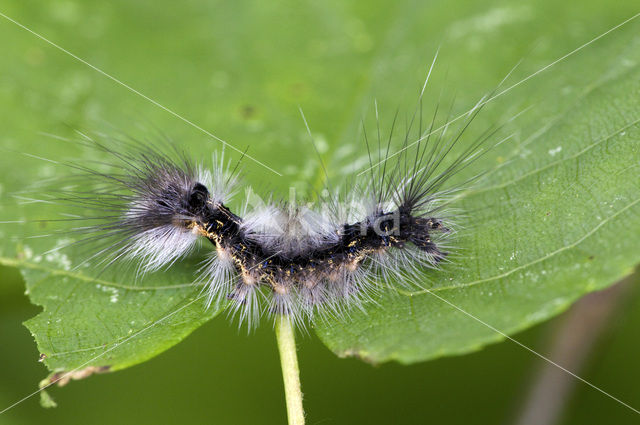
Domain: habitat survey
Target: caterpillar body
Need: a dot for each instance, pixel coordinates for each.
(280, 258)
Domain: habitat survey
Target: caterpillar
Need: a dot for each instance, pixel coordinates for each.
(392, 225)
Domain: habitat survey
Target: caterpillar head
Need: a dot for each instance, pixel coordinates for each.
(166, 203)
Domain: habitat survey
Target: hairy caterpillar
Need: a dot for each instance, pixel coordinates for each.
(303, 261)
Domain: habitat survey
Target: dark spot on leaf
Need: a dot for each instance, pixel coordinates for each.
(248, 112)
(298, 90)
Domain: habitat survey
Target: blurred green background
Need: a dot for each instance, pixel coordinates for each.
(240, 69)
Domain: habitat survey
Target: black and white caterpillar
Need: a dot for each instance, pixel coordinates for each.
(279, 258)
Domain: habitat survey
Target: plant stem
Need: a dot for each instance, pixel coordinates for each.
(290, 372)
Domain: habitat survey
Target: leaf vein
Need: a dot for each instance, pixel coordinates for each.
(557, 162)
(12, 262)
(524, 266)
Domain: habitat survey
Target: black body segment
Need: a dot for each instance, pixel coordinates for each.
(258, 265)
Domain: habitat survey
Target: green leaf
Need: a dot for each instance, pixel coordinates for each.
(96, 324)
(561, 219)
(545, 227)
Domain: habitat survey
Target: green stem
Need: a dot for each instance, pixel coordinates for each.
(290, 372)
